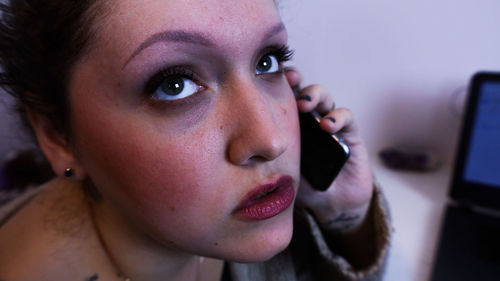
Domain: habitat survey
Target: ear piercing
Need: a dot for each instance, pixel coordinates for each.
(68, 172)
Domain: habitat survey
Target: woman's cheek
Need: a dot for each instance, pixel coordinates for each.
(290, 121)
(145, 167)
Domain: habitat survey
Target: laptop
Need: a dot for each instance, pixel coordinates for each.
(469, 243)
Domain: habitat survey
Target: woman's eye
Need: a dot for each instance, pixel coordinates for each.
(267, 64)
(176, 87)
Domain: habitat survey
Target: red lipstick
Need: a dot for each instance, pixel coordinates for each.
(267, 200)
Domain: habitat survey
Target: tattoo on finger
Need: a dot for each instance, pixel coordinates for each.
(343, 221)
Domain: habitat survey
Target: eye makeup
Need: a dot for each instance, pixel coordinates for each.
(154, 88)
(175, 71)
(283, 53)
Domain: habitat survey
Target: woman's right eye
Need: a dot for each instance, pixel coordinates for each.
(175, 87)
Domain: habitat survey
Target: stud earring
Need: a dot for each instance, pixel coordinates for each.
(68, 172)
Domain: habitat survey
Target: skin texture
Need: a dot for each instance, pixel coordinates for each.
(171, 174)
(177, 171)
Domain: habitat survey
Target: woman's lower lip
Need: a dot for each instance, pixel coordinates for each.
(268, 206)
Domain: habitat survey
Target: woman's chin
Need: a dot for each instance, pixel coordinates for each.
(263, 246)
(263, 254)
(258, 253)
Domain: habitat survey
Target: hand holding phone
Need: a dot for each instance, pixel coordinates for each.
(325, 156)
(322, 154)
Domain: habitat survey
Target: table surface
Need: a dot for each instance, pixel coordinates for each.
(417, 202)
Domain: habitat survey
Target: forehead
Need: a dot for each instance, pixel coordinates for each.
(130, 22)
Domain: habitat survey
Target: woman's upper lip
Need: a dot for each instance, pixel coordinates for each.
(261, 190)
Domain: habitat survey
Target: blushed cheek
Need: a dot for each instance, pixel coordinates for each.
(144, 169)
(170, 173)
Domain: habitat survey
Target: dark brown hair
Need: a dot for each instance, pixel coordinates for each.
(40, 41)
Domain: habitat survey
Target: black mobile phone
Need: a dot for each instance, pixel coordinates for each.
(323, 154)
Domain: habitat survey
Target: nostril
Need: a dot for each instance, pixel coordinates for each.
(275, 146)
(254, 149)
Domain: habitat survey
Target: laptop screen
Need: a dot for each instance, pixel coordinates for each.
(482, 164)
(476, 176)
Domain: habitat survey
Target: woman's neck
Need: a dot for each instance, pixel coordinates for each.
(136, 256)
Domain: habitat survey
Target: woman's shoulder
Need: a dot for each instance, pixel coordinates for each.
(47, 235)
(13, 200)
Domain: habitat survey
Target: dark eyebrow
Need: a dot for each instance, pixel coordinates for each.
(277, 28)
(172, 36)
(189, 38)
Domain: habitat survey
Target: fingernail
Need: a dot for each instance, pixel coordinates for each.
(331, 119)
(305, 97)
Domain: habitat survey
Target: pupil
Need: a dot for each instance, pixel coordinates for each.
(264, 64)
(173, 86)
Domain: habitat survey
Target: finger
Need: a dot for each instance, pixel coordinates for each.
(293, 77)
(339, 120)
(315, 97)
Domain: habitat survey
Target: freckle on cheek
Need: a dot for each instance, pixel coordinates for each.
(284, 111)
(216, 244)
(172, 209)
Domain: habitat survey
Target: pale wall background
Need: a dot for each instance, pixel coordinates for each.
(401, 66)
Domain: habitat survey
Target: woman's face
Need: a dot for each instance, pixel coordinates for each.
(184, 120)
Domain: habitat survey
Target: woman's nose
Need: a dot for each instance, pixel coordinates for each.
(257, 132)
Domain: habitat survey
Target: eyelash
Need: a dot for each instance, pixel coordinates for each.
(158, 78)
(282, 53)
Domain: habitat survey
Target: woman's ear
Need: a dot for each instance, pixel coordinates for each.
(55, 147)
